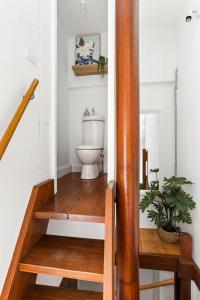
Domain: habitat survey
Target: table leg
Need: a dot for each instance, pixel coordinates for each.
(176, 287)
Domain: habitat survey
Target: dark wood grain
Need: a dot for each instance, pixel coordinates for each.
(196, 275)
(127, 31)
(77, 200)
(53, 293)
(66, 257)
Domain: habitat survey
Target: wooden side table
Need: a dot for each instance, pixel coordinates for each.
(156, 254)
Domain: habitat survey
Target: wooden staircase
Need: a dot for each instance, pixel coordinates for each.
(74, 258)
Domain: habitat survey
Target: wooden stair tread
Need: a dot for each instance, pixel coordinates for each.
(39, 292)
(67, 257)
(151, 244)
(77, 200)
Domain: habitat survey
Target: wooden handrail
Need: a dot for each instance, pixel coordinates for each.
(158, 284)
(17, 117)
(109, 246)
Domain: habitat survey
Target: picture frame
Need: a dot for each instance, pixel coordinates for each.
(87, 49)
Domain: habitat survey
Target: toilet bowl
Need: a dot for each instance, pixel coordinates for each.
(92, 147)
(89, 156)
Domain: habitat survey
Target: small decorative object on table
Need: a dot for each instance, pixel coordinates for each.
(168, 206)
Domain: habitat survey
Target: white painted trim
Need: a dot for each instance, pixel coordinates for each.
(53, 121)
(76, 168)
(64, 170)
(111, 91)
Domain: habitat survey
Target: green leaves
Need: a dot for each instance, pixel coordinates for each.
(101, 65)
(175, 182)
(148, 199)
(154, 170)
(170, 205)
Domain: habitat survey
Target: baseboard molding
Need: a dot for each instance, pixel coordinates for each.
(76, 168)
(64, 170)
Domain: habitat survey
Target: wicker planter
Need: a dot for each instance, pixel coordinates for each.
(169, 237)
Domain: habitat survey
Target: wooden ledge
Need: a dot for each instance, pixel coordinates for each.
(77, 200)
(86, 70)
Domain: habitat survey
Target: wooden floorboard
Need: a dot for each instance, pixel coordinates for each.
(67, 257)
(77, 200)
(53, 293)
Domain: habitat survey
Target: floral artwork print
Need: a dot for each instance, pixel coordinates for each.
(87, 49)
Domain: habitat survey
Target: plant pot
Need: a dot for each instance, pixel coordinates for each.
(169, 237)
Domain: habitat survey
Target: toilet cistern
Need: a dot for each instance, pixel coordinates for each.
(89, 153)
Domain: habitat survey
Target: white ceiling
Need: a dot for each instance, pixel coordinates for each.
(155, 13)
(94, 21)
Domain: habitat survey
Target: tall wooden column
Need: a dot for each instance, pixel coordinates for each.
(127, 31)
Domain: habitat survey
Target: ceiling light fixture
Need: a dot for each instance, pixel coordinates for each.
(83, 6)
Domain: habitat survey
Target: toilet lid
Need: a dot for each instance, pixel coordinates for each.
(88, 147)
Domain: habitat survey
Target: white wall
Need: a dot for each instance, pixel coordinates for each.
(63, 130)
(27, 159)
(188, 115)
(157, 54)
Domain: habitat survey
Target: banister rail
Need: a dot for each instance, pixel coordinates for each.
(4, 142)
(154, 285)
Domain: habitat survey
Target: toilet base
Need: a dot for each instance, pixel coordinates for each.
(90, 171)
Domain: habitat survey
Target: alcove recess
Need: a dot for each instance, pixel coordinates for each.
(85, 70)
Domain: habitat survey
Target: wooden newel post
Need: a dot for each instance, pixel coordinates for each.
(127, 31)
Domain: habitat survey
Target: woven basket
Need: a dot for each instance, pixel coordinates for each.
(169, 237)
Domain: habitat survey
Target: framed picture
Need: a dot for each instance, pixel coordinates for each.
(88, 49)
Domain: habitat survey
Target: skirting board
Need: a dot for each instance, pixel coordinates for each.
(76, 168)
(64, 170)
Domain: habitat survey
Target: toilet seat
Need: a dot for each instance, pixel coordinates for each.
(89, 156)
(88, 147)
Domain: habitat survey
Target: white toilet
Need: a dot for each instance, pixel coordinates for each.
(93, 143)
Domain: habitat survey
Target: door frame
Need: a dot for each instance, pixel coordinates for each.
(54, 71)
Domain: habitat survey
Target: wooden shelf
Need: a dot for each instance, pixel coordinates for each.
(85, 70)
(74, 258)
(39, 292)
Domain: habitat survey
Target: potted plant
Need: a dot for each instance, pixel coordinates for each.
(102, 62)
(169, 206)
